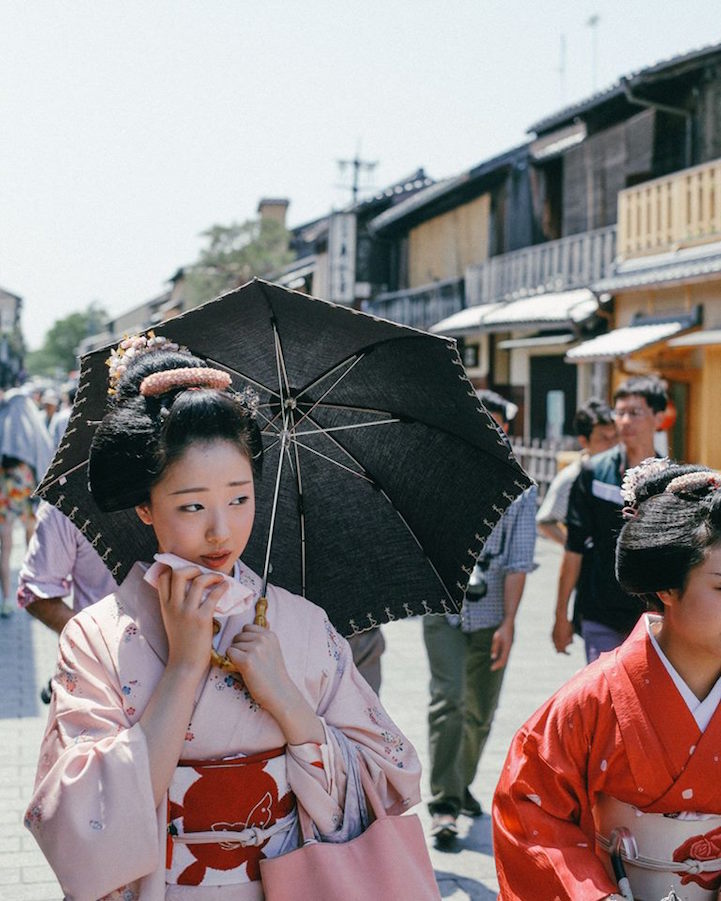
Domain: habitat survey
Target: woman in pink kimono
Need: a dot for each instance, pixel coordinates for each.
(164, 777)
(622, 766)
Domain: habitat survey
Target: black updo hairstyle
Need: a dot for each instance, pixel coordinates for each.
(669, 535)
(141, 436)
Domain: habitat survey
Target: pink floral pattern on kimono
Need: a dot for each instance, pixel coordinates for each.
(92, 811)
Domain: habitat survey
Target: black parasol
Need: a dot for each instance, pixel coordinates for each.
(382, 472)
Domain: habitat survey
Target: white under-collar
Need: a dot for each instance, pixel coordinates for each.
(702, 711)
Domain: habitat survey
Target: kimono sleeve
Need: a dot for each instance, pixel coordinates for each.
(348, 704)
(543, 830)
(92, 812)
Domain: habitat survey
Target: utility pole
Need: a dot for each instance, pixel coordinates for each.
(357, 166)
(592, 23)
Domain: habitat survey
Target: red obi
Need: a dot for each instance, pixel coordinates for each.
(224, 816)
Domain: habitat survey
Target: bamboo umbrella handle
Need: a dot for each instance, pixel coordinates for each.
(261, 606)
(223, 661)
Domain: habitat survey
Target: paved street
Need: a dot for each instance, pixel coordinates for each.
(27, 653)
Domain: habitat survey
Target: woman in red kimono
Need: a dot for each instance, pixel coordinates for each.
(627, 755)
(181, 729)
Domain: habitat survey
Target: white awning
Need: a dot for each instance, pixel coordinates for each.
(697, 339)
(293, 275)
(536, 341)
(558, 309)
(464, 321)
(624, 341)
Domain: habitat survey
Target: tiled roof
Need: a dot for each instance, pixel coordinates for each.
(423, 198)
(414, 182)
(416, 201)
(623, 341)
(675, 266)
(616, 90)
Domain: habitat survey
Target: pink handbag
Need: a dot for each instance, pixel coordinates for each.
(389, 860)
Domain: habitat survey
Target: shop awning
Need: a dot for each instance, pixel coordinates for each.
(536, 341)
(559, 308)
(555, 310)
(697, 339)
(624, 341)
(298, 273)
(464, 321)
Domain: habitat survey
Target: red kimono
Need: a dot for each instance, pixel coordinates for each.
(619, 728)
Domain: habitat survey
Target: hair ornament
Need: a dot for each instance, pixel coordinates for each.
(633, 477)
(249, 398)
(130, 347)
(188, 377)
(693, 482)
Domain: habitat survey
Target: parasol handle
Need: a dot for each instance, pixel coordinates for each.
(222, 661)
(261, 607)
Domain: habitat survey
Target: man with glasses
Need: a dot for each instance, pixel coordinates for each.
(594, 520)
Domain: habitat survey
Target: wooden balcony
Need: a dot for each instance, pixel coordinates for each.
(573, 262)
(668, 213)
(420, 307)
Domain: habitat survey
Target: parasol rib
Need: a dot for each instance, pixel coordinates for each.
(344, 428)
(327, 391)
(252, 382)
(301, 511)
(392, 504)
(242, 375)
(353, 472)
(274, 510)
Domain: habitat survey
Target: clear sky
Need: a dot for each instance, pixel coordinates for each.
(128, 128)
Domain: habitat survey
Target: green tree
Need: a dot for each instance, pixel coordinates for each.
(58, 355)
(234, 254)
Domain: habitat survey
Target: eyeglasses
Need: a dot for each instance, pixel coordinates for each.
(632, 413)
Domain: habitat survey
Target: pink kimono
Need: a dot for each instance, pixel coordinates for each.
(92, 812)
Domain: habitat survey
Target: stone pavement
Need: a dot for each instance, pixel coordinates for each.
(27, 654)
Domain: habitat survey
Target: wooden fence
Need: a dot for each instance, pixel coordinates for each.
(540, 459)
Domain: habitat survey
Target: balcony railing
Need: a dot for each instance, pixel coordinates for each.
(667, 213)
(573, 262)
(420, 307)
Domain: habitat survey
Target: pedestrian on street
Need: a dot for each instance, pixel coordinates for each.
(147, 743)
(60, 561)
(594, 519)
(595, 429)
(25, 452)
(624, 756)
(468, 653)
(59, 421)
(367, 649)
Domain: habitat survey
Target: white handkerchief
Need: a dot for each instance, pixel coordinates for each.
(236, 598)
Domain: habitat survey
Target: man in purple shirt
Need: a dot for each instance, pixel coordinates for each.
(60, 561)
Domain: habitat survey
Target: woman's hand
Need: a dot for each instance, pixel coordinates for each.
(256, 654)
(187, 602)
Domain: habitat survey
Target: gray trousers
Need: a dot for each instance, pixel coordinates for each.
(464, 698)
(367, 648)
